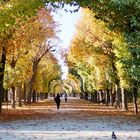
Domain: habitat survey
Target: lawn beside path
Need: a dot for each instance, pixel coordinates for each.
(76, 120)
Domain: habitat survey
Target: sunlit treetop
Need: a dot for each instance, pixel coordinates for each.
(122, 15)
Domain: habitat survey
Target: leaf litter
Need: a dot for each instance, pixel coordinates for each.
(76, 120)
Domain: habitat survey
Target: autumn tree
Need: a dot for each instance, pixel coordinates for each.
(96, 47)
(120, 16)
(48, 68)
(10, 11)
(18, 49)
(41, 42)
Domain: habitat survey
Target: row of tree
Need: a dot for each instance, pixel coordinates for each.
(105, 60)
(27, 33)
(121, 17)
(104, 53)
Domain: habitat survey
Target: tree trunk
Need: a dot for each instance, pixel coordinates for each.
(81, 84)
(100, 96)
(111, 97)
(95, 96)
(19, 95)
(6, 95)
(92, 97)
(13, 100)
(2, 68)
(29, 92)
(107, 97)
(3, 97)
(46, 95)
(124, 100)
(81, 95)
(24, 93)
(31, 82)
(135, 100)
(34, 96)
(117, 97)
(86, 96)
(38, 97)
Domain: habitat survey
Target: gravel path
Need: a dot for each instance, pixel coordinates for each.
(76, 120)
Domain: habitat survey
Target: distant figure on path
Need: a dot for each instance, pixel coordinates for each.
(65, 96)
(114, 136)
(57, 100)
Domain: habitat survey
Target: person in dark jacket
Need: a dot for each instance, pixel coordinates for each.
(57, 100)
(66, 97)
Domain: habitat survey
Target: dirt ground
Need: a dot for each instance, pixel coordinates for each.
(76, 120)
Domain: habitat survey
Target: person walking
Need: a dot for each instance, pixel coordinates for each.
(57, 100)
(66, 97)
